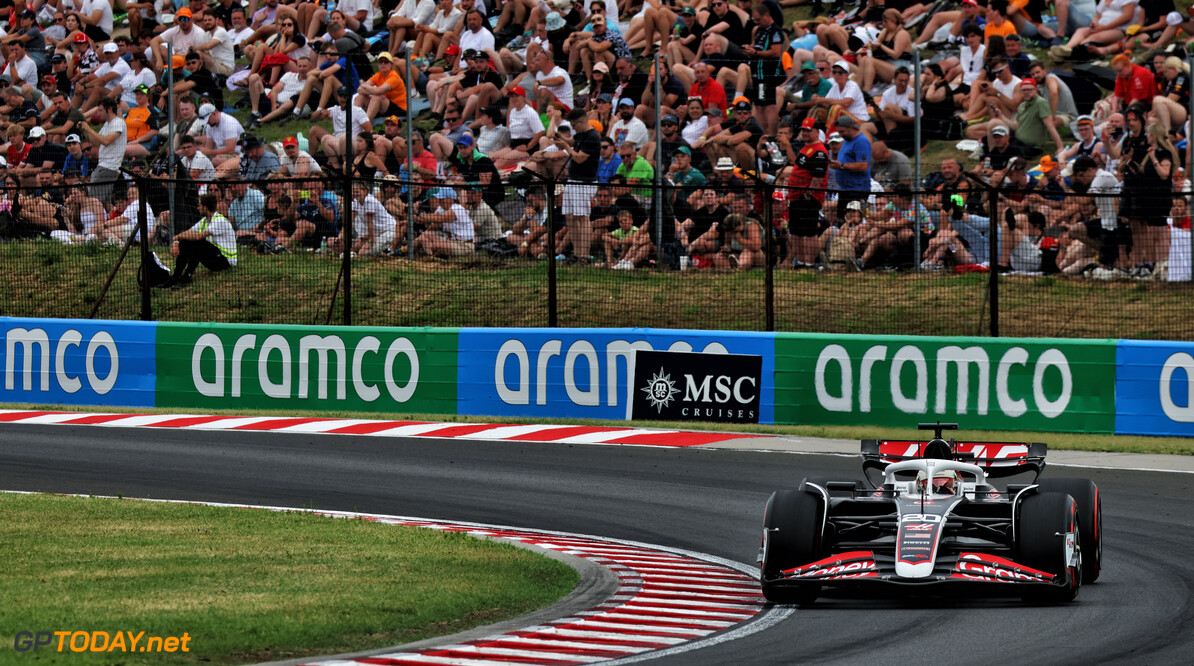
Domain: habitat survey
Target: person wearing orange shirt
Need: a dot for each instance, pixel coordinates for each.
(997, 21)
(384, 94)
(142, 123)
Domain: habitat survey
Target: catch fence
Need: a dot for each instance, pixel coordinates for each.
(741, 254)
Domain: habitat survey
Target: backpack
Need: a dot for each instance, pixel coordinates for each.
(840, 253)
(156, 271)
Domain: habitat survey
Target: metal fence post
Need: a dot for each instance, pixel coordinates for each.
(657, 195)
(143, 226)
(346, 262)
(916, 182)
(171, 185)
(1189, 168)
(552, 312)
(993, 257)
(410, 163)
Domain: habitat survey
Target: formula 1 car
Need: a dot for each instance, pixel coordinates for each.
(927, 518)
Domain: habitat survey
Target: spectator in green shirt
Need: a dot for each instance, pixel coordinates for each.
(814, 86)
(1033, 123)
(637, 170)
(681, 172)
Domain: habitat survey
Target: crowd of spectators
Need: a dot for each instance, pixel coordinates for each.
(760, 129)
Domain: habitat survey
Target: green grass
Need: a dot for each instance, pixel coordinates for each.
(250, 586)
(1059, 441)
(45, 279)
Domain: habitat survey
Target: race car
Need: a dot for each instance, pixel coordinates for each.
(928, 518)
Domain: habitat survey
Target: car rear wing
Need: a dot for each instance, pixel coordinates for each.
(998, 459)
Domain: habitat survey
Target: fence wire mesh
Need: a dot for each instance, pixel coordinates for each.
(742, 254)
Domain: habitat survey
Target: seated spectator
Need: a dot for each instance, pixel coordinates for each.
(528, 232)
(1108, 25)
(449, 227)
(637, 171)
(221, 134)
(891, 48)
(321, 209)
(142, 122)
(1170, 106)
(100, 82)
(999, 95)
(197, 164)
(384, 94)
(999, 147)
(896, 108)
(627, 127)
(681, 171)
(297, 162)
(890, 239)
(694, 232)
(737, 137)
(332, 142)
(486, 223)
(890, 167)
(256, 162)
(1032, 123)
(281, 96)
(76, 161)
(740, 243)
(1017, 60)
(211, 242)
(693, 121)
(1133, 84)
(478, 86)
(1088, 143)
(245, 209)
(844, 99)
(618, 242)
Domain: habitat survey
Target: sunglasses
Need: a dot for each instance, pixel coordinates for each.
(669, 124)
(183, 19)
(453, 118)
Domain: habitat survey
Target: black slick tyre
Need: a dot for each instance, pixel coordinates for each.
(1045, 520)
(793, 521)
(1090, 520)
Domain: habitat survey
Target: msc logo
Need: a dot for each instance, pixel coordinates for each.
(661, 390)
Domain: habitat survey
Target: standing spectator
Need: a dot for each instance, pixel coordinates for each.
(211, 242)
(766, 70)
(809, 173)
(111, 140)
(583, 154)
(852, 164)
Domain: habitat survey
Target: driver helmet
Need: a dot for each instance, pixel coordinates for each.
(944, 483)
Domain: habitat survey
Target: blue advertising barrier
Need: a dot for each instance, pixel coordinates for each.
(580, 373)
(78, 362)
(1154, 388)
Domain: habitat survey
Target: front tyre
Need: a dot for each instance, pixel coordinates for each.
(793, 529)
(1090, 520)
(1045, 525)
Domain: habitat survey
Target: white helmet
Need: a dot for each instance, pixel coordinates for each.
(944, 483)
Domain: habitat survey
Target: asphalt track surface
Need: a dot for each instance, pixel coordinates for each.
(707, 500)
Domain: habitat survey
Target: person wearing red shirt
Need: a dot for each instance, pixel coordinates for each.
(1133, 84)
(809, 170)
(711, 92)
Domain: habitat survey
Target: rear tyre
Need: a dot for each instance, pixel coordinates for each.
(793, 520)
(1045, 520)
(1090, 520)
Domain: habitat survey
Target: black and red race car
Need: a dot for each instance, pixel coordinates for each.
(928, 516)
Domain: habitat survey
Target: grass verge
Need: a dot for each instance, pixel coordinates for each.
(251, 586)
(1055, 440)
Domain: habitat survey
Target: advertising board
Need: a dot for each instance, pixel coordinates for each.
(580, 373)
(307, 367)
(77, 362)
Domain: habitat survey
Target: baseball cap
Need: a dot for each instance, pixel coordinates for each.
(249, 141)
(1028, 82)
(843, 65)
(854, 205)
(111, 47)
(566, 126)
(342, 91)
(835, 138)
(385, 55)
(289, 141)
(465, 140)
(206, 110)
(28, 13)
(1085, 120)
(394, 119)
(178, 61)
(142, 89)
(601, 67)
(605, 97)
(452, 50)
(444, 193)
(808, 66)
(73, 138)
(185, 11)
(625, 101)
(1048, 163)
(669, 118)
(685, 149)
(470, 54)
(80, 38)
(688, 11)
(809, 123)
(36, 133)
(999, 130)
(57, 57)
(846, 121)
(3, 162)
(518, 90)
(724, 164)
(50, 78)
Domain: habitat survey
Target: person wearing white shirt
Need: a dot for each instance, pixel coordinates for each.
(111, 140)
(896, 106)
(476, 36)
(282, 93)
(297, 162)
(359, 15)
(139, 75)
(372, 224)
(553, 83)
(217, 52)
(183, 37)
(333, 143)
(409, 14)
(450, 229)
(627, 127)
(972, 56)
(21, 69)
(239, 29)
(221, 134)
(845, 93)
(431, 35)
(96, 19)
(197, 163)
(524, 122)
(211, 242)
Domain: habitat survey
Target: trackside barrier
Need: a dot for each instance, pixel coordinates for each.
(1060, 385)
